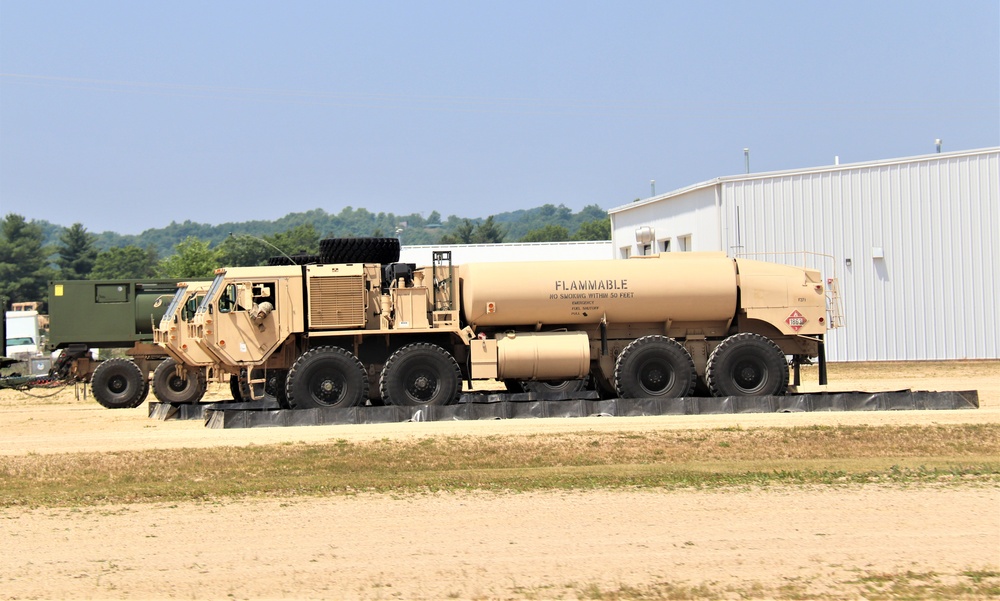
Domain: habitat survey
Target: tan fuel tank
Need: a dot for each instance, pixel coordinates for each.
(673, 287)
(543, 355)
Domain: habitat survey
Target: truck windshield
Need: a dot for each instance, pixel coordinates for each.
(168, 315)
(212, 291)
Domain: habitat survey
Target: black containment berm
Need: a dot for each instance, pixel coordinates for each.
(535, 405)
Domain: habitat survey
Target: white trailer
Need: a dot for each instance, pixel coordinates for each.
(22, 334)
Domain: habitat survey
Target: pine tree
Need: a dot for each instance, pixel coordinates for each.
(23, 265)
(488, 232)
(76, 253)
(125, 262)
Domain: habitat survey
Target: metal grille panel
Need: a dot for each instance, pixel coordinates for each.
(336, 302)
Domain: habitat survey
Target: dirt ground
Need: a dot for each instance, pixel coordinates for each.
(763, 542)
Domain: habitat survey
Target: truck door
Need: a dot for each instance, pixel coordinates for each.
(247, 330)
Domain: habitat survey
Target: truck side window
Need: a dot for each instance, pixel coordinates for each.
(228, 299)
(190, 307)
(263, 293)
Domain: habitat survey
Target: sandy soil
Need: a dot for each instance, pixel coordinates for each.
(485, 546)
(480, 546)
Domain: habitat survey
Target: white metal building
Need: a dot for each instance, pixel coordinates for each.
(914, 243)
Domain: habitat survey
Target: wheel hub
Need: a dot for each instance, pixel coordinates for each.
(749, 375)
(117, 384)
(328, 386)
(655, 378)
(422, 386)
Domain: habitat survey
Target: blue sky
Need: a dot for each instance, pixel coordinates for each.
(130, 115)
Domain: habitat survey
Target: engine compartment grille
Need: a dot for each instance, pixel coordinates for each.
(336, 302)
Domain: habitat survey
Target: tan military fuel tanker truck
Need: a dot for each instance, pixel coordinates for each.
(341, 334)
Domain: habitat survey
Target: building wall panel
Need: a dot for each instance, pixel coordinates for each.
(932, 294)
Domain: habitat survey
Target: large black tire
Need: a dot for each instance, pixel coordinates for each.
(654, 367)
(326, 376)
(420, 374)
(271, 390)
(275, 386)
(234, 388)
(513, 386)
(747, 365)
(359, 250)
(119, 384)
(296, 259)
(171, 388)
(545, 386)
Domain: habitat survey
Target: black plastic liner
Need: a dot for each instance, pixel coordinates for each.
(501, 406)
(188, 411)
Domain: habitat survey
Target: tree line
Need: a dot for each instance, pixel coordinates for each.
(34, 252)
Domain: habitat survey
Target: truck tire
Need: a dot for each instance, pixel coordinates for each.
(326, 376)
(273, 388)
(234, 389)
(747, 365)
(296, 259)
(513, 386)
(420, 374)
(554, 386)
(654, 367)
(276, 387)
(119, 384)
(171, 388)
(359, 250)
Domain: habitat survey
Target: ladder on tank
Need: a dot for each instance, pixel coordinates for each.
(833, 306)
(445, 312)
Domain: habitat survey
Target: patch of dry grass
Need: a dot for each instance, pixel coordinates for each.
(914, 370)
(677, 458)
(967, 584)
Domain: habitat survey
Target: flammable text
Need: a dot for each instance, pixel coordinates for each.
(592, 285)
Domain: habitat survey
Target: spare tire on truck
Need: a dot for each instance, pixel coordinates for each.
(359, 250)
(119, 384)
(296, 259)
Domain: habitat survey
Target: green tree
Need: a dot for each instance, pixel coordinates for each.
(598, 229)
(76, 253)
(488, 232)
(24, 270)
(462, 234)
(243, 250)
(193, 259)
(549, 233)
(299, 239)
(125, 262)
